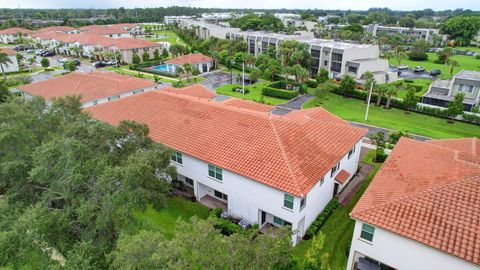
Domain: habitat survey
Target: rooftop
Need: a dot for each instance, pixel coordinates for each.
(290, 153)
(429, 192)
(90, 86)
(192, 58)
(7, 51)
(468, 75)
(15, 30)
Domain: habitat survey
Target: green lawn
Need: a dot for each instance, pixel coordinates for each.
(470, 49)
(465, 62)
(255, 93)
(338, 229)
(166, 36)
(434, 127)
(164, 220)
(425, 83)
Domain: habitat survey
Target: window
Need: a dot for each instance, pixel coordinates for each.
(221, 195)
(336, 67)
(176, 157)
(137, 91)
(465, 88)
(367, 232)
(288, 201)
(325, 63)
(280, 221)
(303, 202)
(95, 102)
(337, 57)
(112, 98)
(321, 180)
(135, 50)
(352, 70)
(189, 181)
(215, 172)
(334, 169)
(145, 49)
(351, 152)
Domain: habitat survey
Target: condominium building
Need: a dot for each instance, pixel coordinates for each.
(421, 211)
(236, 155)
(206, 30)
(442, 92)
(12, 35)
(339, 58)
(13, 65)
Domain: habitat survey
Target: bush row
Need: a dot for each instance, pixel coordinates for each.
(226, 226)
(153, 71)
(398, 103)
(321, 219)
(279, 93)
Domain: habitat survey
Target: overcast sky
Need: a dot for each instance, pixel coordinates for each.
(303, 4)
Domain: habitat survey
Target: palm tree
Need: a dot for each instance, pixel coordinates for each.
(390, 91)
(187, 67)
(4, 61)
(369, 78)
(400, 55)
(380, 89)
(447, 53)
(453, 64)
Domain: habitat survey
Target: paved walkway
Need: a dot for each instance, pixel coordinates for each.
(296, 103)
(352, 187)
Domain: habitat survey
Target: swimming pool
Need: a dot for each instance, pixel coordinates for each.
(165, 68)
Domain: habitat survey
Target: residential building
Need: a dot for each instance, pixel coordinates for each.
(441, 92)
(339, 58)
(121, 30)
(13, 35)
(324, 19)
(421, 209)
(93, 87)
(175, 19)
(264, 168)
(62, 29)
(204, 29)
(198, 61)
(289, 19)
(12, 55)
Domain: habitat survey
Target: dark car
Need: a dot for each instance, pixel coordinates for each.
(99, 64)
(435, 72)
(77, 62)
(47, 54)
(19, 48)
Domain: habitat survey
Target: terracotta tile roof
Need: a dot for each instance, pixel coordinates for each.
(8, 51)
(288, 155)
(15, 30)
(192, 58)
(133, 43)
(90, 86)
(342, 176)
(246, 104)
(429, 192)
(196, 90)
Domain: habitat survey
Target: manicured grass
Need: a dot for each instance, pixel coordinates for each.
(354, 110)
(338, 229)
(464, 61)
(164, 220)
(166, 36)
(254, 94)
(425, 83)
(470, 49)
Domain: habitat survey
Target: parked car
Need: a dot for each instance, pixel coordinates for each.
(112, 62)
(99, 64)
(62, 60)
(435, 72)
(30, 51)
(471, 53)
(402, 67)
(419, 69)
(39, 52)
(431, 50)
(77, 62)
(47, 54)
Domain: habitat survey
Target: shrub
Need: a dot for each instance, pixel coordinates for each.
(227, 227)
(477, 56)
(216, 212)
(311, 83)
(380, 155)
(417, 87)
(237, 88)
(279, 93)
(321, 219)
(408, 81)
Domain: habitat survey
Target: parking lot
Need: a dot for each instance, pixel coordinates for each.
(410, 74)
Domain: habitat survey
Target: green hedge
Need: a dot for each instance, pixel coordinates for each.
(311, 83)
(17, 72)
(279, 93)
(321, 219)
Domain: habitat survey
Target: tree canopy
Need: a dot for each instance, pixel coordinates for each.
(462, 28)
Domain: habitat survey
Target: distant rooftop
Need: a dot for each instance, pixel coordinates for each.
(468, 75)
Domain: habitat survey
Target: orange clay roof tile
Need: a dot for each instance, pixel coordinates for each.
(429, 192)
(276, 151)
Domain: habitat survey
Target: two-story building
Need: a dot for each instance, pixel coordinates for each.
(267, 169)
(93, 87)
(198, 61)
(442, 92)
(13, 65)
(13, 35)
(421, 211)
(339, 58)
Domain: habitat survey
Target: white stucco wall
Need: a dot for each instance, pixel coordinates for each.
(402, 253)
(13, 66)
(246, 197)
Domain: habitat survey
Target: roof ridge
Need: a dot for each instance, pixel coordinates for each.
(285, 157)
(415, 194)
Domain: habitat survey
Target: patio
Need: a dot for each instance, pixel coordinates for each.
(212, 202)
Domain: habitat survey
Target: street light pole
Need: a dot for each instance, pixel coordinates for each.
(243, 78)
(368, 100)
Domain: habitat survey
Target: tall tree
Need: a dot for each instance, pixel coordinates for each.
(410, 101)
(347, 85)
(390, 91)
(455, 107)
(462, 29)
(4, 61)
(453, 64)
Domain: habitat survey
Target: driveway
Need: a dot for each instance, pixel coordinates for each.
(216, 79)
(410, 74)
(296, 103)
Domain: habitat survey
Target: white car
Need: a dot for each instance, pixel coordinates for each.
(402, 67)
(62, 60)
